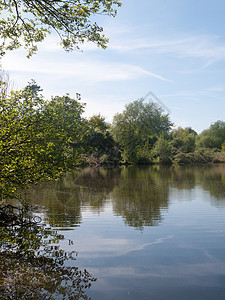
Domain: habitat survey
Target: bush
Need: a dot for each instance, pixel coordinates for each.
(219, 157)
(144, 156)
(196, 157)
(163, 151)
(182, 158)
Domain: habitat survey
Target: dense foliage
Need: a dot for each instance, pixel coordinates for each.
(25, 23)
(214, 137)
(40, 139)
(36, 138)
(137, 128)
(99, 143)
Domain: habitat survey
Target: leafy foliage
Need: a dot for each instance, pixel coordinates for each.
(183, 140)
(223, 147)
(136, 126)
(34, 137)
(100, 143)
(163, 150)
(25, 23)
(39, 139)
(213, 137)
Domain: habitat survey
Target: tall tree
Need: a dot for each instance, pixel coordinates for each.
(134, 128)
(35, 138)
(27, 22)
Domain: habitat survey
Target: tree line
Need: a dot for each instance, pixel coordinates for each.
(146, 135)
(41, 139)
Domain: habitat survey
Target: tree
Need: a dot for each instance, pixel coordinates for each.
(183, 140)
(98, 123)
(214, 136)
(65, 122)
(25, 23)
(223, 147)
(163, 150)
(135, 128)
(35, 138)
(99, 143)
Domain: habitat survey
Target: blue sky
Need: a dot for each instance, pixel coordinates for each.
(174, 48)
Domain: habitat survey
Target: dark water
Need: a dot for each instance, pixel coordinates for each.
(144, 232)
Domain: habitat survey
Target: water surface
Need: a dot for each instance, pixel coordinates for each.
(144, 232)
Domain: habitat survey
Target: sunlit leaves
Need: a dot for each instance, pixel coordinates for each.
(214, 136)
(25, 23)
(136, 125)
(36, 138)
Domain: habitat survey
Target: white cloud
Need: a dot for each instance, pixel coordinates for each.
(206, 47)
(105, 247)
(83, 69)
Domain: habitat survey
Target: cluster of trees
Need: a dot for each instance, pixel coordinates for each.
(34, 137)
(136, 130)
(146, 135)
(184, 145)
(40, 139)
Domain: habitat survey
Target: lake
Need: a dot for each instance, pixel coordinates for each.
(148, 232)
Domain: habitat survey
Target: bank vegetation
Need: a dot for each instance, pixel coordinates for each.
(40, 139)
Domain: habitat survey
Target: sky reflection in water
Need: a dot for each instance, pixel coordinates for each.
(145, 233)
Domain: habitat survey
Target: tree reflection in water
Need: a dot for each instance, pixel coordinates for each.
(141, 196)
(32, 263)
(211, 178)
(82, 187)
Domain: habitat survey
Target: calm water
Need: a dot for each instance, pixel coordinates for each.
(144, 232)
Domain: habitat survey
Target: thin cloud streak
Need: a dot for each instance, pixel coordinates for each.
(94, 71)
(196, 93)
(206, 47)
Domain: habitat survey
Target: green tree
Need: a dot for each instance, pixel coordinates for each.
(25, 23)
(34, 138)
(135, 128)
(183, 140)
(214, 136)
(67, 127)
(223, 147)
(99, 142)
(163, 150)
(98, 123)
